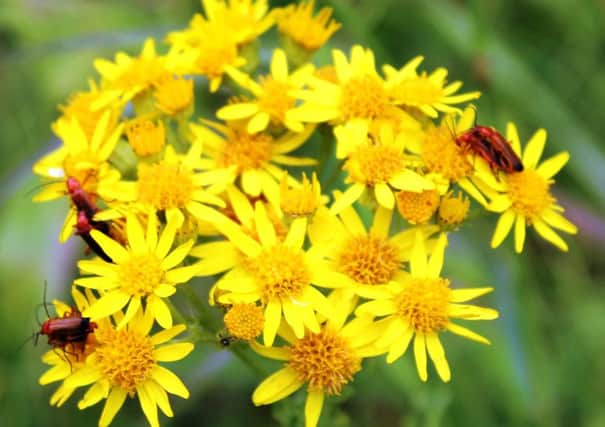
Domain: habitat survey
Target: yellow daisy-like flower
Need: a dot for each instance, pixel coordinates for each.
(441, 155)
(213, 46)
(125, 363)
(279, 274)
(174, 95)
(524, 198)
(129, 76)
(79, 157)
(377, 164)
(297, 22)
(254, 156)
(428, 92)
(421, 307)
(360, 93)
(144, 269)
(82, 108)
(368, 258)
(303, 200)
(145, 137)
(325, 360)
(272, 94)
(245, 19)
(172, 185)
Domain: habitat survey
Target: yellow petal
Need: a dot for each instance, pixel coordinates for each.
(296, 233)
(264, 227)
(466, 333)
(114, 402)
(159, 396)
(173, 352)
(94, 394)
(437, 355)
(160, 311)
(550, 235)
(313, 405)
(382, 222)
(420, 356)
(349, 197)
(435, 263)
(384, 196)
(258, 122)
(400, 346)
(519, 233)
(463, 295)
(505, 223)
(534, 149)
(275, 387)
(169, 382)
(177, 255)
(418, 264)
(107, 305)
(551, 166)
(113, 249)
(167, 334)
(237, 111)
(136, 236)
(272, 321)
(82, 377)
(148, 406)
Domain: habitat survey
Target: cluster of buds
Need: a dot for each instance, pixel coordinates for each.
(318, 269)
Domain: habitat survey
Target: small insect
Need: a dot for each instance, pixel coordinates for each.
(490, 145)
(70, 330)
(84, 226)
(82, 200)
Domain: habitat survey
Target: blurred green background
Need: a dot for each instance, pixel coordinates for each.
(539, 63)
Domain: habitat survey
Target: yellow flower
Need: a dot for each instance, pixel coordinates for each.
(213, 47)
(244, 321)
(82, 107)
(145, 137)
(129, 76)
(174, 95)
(172, 185)
(279, 274)
(524, 198)
(377, 164)
(453, 209)
(301, 201)
(297, 22)
(442, 155)
(125, 363)
(272, 94)
(254, 156)
(144, 269)
(325, 360)
(421, 307)
(245, 19)
(366, 258)
(80, 157)
(417, 208)
(429, 92)
(359, 93)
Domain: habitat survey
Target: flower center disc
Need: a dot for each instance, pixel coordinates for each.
(141, 275)
(374, 164)
(324, 361)
(164, 185)
(369, 260)
(529, 193)
(280, 272)
(125, 358)
(424, 304)
(442, 155)
(363, 97)
(275, 99)
(247, 151)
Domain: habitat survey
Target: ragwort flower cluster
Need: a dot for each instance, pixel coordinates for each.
(162, 195)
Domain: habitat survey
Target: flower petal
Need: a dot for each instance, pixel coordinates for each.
(313, 405)
(114, 402)
(148, 406)
(275, 387)
(169, 382)
(173, 352)
(437, 355)
(420, 356)
(505, 223)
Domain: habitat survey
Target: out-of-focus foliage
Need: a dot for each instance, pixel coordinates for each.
(538, 63)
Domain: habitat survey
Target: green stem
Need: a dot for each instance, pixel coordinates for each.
(247, 359)
(207, 320)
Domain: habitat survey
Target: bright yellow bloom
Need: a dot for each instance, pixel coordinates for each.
(145, 137)
(245, 321)
(377, 164)
(429, 93)
(453, 209)
(254, 157)
(417, 208)
(325, 360)
(79, 157)
(82, 107)
(524, 198)
(213, 46)
(144, 269)
(367, 258)
(442, 156)
(172, 185)
(174, 95)
(301, 201)
(421, 307)
(359, 93)
(245, 19)
(125, 364)
(279, 274)
(129, 76)
(273, 96)
(297, 22)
